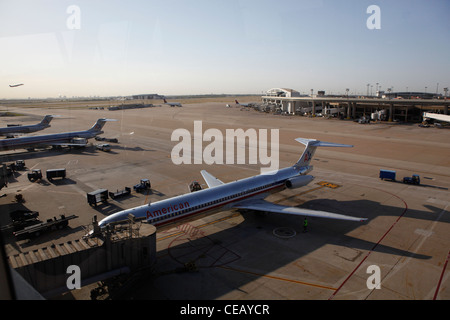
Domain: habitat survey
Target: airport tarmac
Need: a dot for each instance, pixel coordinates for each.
(247, 255)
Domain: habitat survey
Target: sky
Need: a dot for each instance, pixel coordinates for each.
(177, 47)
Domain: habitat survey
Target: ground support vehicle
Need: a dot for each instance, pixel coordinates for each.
(120, 193)
(387, 174)
(39, 228)
(415, 179)
(142, 186)
(34, 175)
(56, 173)
(94, 197)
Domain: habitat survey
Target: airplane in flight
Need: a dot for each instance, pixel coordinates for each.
(248, 193)
(172, 104)
(16, 85)
(55, 139)
(12, 130)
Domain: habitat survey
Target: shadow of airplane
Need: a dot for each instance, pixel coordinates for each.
(252, 241)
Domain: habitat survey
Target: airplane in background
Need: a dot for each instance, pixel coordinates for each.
(243, 104)
(74, 138)
(12, 130)
(172, 104)
(248, 193)
(16, 85)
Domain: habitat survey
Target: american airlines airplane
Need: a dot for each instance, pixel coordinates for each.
(10, 131)
(247, 193)
(242, 104)
(55, 139)
(172, 104)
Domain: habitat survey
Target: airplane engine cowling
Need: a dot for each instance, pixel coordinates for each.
(298, 182)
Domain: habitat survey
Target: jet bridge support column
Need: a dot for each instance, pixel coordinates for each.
(391, 112)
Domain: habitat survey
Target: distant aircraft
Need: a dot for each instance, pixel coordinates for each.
(55, 139)
(173, 104)
(242, 104)
(10, 131)
(247, 193)
(16, 85)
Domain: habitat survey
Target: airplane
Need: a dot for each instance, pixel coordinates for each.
(248, 193)
(10, 131)
(55, 139)
(16, 85)
(173, 104)
(242, 104)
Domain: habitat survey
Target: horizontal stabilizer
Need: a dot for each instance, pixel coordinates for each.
(311, 146)
(262, 205)
(317, 143)
(211, 181)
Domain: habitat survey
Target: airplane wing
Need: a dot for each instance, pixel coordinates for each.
(262, 205)
(211, 181)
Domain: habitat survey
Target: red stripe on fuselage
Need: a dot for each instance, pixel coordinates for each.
(167, 221)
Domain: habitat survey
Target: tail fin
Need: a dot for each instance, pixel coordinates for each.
(165, 101)
(99, 124)
(236, 101)
(311, 146)
(46, 120)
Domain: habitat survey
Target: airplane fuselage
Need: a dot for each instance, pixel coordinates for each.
(22, 129)
(47, 139)
(207, 201)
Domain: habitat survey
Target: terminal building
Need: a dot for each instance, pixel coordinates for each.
(396, 106)
(146, 96)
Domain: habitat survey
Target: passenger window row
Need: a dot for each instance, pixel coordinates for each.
(173, 214)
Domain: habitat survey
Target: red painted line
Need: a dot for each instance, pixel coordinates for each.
(376, 244)
(442, 275)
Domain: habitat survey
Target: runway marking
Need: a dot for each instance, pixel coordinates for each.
(63, 192)
(442, 275)
(200, 226)
(279, 278)
(34, 166)
(328, 184)
(375, 245)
